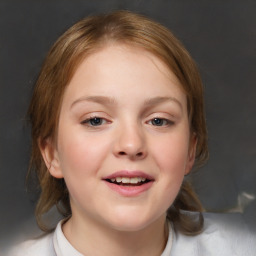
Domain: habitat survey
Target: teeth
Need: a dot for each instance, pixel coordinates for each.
(134, 180)
(118, 179)
(126, 180)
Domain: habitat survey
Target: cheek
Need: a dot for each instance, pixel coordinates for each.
(81, 158)
(80, 154)
(171, 157)
(171, 153)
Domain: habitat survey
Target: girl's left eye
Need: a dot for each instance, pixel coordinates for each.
(94, 121)
(160, 122)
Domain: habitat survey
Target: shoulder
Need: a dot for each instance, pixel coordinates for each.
(40, 247)
(223, 235)
(230, 232)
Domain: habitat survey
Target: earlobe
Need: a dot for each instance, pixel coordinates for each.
(51, 158)
(191, 153)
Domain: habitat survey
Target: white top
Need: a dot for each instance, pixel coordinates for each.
(223, 235)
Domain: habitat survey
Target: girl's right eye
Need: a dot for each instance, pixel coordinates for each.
(94, 121)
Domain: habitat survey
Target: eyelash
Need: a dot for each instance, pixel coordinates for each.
(160, 122)
(166, 122)
(89, 121)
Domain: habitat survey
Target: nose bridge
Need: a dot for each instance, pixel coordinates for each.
(130, 140)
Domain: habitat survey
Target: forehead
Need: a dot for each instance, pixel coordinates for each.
(121, 66)
(125, 52)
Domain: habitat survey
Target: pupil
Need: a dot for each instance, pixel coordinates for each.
(96, 121)
(157, 121)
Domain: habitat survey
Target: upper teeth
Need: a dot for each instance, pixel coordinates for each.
(128, 180)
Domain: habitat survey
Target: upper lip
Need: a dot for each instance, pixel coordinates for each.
(128, 174)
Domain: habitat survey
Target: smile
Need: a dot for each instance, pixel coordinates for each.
(129, 183)
(126, 181)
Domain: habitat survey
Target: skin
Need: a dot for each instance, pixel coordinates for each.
(126, 88)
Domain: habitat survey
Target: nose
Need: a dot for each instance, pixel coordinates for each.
(130, 143)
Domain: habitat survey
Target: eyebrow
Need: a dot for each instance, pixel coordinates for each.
(97, 99)
(159, 100)
(104, 100)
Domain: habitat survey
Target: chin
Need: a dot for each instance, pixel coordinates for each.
(131, 222)
(129, 227)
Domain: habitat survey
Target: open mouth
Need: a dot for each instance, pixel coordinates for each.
(126, 181)
(129, 183)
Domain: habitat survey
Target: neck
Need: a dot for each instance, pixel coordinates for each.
(91, 238)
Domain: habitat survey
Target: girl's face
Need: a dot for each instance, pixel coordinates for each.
(124, 141)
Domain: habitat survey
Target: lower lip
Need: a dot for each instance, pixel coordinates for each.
(129, 191)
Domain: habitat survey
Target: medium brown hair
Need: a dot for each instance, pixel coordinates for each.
(82, 39)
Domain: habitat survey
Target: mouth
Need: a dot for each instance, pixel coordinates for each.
(127, 181)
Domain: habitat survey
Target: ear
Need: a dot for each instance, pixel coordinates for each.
(191, 153)
(51, 158)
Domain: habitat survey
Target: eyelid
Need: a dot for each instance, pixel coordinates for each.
(90, 118)
(86, 121)
(163, 115)
(93, 114)
(168, 121)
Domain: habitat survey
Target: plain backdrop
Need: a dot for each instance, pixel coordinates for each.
(221, 37)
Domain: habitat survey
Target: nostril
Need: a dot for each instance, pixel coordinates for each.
(123, 153)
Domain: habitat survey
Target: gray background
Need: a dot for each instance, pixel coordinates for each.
(221, 37)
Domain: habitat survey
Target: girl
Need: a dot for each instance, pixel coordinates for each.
(117, 119)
